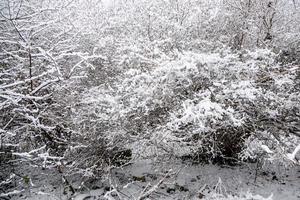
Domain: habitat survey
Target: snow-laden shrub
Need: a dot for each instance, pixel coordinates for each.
(205, 106)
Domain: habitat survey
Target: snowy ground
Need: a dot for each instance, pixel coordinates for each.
(145, 180)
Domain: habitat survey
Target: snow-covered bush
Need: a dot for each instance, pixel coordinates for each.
(203, 106)
(91, 90)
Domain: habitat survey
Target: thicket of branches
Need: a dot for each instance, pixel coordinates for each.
(87, 85)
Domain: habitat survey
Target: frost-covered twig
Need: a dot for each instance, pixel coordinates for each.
(14, 192)
(292, 156)
(146, 194)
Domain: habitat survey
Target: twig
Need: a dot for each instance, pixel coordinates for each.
(146, 194)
